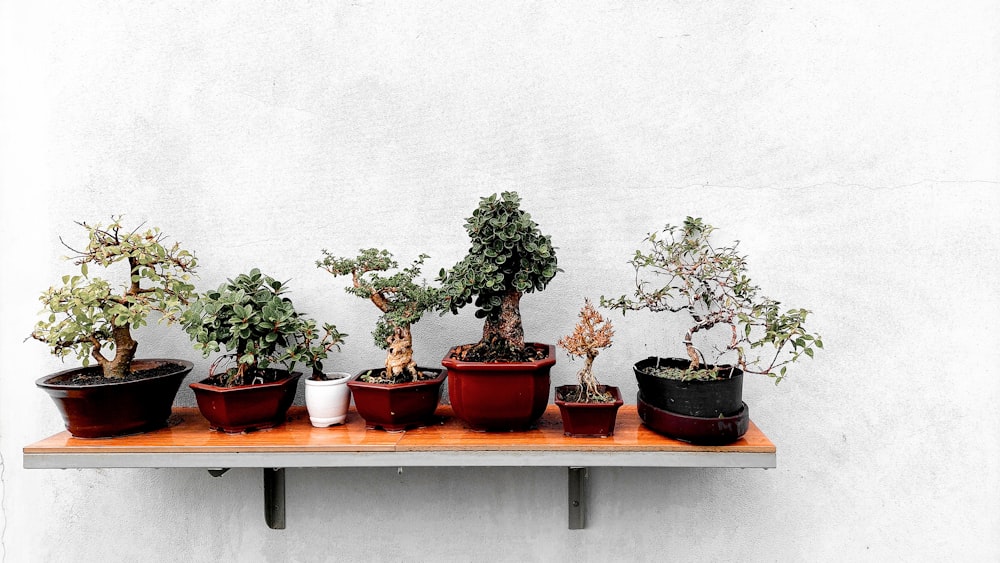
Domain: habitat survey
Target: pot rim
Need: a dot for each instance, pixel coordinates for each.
(549, 360)
(185, 366)
(355, 380)
(737, 372)
(203, 386)
(341, 379)
(615, 392)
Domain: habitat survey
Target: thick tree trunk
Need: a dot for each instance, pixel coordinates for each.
(125, 347)
(399, 357)
(507, 325)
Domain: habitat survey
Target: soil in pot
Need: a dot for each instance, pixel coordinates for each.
(397, 406)
(245, 408)
(500, 396)
(586, 420)
(95, 407)
(666, 384)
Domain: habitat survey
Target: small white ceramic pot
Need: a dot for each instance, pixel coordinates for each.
(327, 401)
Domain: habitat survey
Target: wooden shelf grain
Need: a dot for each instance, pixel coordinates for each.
(188, 442)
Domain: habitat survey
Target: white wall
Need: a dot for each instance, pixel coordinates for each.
(853, 149)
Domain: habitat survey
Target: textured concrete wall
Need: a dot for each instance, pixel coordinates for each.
(851, 148)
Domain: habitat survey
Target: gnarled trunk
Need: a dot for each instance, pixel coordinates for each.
(506, 325)
(125, 347)
(588, 383)
(399, 357)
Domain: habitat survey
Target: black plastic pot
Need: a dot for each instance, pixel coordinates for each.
(712, 398)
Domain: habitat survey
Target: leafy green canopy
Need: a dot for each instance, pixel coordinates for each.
(84, 313)
(401, 300)
(258, 326)
(508, 254)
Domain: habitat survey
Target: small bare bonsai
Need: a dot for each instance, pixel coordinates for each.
(710, 283)
(258, 326)
(591, 334)
(88, 317)
(401, 301)
(509, 257)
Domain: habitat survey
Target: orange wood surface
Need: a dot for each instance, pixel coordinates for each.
(188, 432)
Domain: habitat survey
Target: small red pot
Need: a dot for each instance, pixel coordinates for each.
(398, 406)
(589, 420)
(116, 408)
(246, 407)
(500, 395)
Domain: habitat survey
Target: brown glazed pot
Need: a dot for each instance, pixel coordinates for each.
(399, 406)
(499, 395)
(695, 429)
(246, 407)
(116, 408)
(589, 420)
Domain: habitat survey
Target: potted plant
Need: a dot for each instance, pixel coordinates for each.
(588, 409)
(692, 398)
(252, 385)
(400, 394)
(327, 398)
(87, 317)
(501, 382)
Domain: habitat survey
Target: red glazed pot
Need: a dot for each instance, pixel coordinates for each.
(499, 395)
(589, 420)
(399, 406)
(116, 408)
(246, 407)
(695, 429)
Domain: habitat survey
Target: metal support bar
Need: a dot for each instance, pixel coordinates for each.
(577, 498)
(274, 498)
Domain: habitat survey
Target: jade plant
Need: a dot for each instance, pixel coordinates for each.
(401, 300)
(509, 257)
(87, 316)
(251, 318)
(591, 334)
(711, 285)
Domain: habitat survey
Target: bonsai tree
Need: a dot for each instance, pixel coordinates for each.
(592, 334)
(401, 301)
(86, 316)
(509, 257)
(710, 283)
(258, 326)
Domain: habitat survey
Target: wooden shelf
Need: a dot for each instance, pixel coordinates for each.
(187, 442)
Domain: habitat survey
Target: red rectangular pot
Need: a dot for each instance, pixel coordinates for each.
(398, 406)
(589, 420)
(500, 395)
(246, 407)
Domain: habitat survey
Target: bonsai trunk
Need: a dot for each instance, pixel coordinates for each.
(692, 352)
(125, 347)
(506, 325)
(399, 359)
(588, 383)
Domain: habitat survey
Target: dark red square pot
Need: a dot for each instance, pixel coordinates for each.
(398, 406)
(246, 407)
(116, 408)
(500, 396)
(589, 420)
